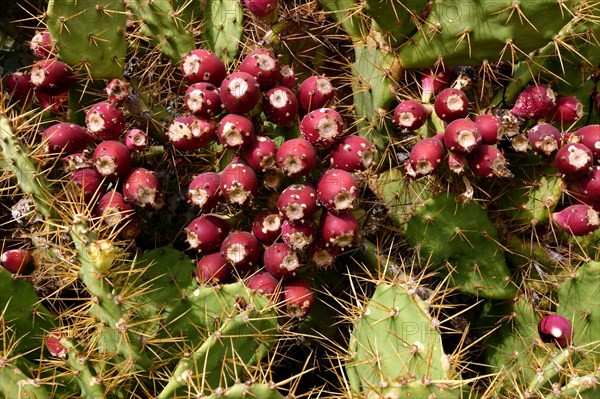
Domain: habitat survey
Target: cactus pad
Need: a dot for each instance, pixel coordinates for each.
(222, 28)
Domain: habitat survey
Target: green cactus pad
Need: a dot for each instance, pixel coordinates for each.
(395, 20)
(346, 14)
(26, 319)
(15, 383)
(579, 302)
(230, 330)
(469, 32)
(222, 28)
(90, 33)
(400, 193)
(395, 340)
(459, 239)
(163, 27)
(533, 195)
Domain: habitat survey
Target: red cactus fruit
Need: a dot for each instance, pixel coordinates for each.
(18, 85)
(141, 188)
(339, 230)
(41, 45)
(105, 121)
(67, 138)
(264, 283)
(281, 261)
(574, 160)
(299, 236)
(337, 190)
(322, 255)
(590, 137)
(204, 191)
(207, 232)
(566, 110)
(117, 90)
(87, 184)
(203, 100)
(296, 157)
(462, 136)
(434, 81)
(52, 77)
(299, 297)
(188, 133)
(241, 249)
(263, 9)
(298, 202)
(239, 183)
(578, 219)
(55, 104)
(280, 106)
(240, 92)
(55, 346)
(266, 226)
(203, 66)
(273, 178)
(113, 209)
(263, 66)
(544, 138)
(410, 115)
(235, 131)
(287, 77)
(587, 188)
(352, 153)
(534, 102)
(487, 161)
(489, 127)
(451, 104)
(261, 154)
(555, 328)
(112, 159)
(213, 268)
(457, 163)
(322, 127)
(315, 92)
(136, 140)
(425, 157)
(17, 261)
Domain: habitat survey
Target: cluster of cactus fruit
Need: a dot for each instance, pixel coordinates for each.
(212, 199)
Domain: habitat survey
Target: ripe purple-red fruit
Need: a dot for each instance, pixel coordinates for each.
(555, 328)
(287, 77)
(315, 92)
(264, 9)
(204, 191)
(578, 219)
(113, 209)
(352, 153)
(337, 190)
(339, 230)
(266, 226)
(17, 261)
(587, 188)
(52, 77)
(240, 92)
(534, 102)
(203, 100)
(410, 115)
(87, 184)
(299, 297)
(105, 121)
(574, 160)
(299, 236)
(213, 268)
(206, 233)
(239, 183)
(280, 106)
(425, 157)
(544, 138)
(297, 202)
(296, 157)
(451, 104)
(188, 133)
(590, 137)
(264, 283)
(241, 249)
(462, 136)
(117, 90)
(18, 85)
(263, 66)
(235, 132)
(487, 161)
(111, 159)
(281, 261)
(141, 188)
(41, 44)
(203, 66)
(322, 127)
(261, 154)
(67, 138)
(567, 110)
(489, 127)
(136, 139)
